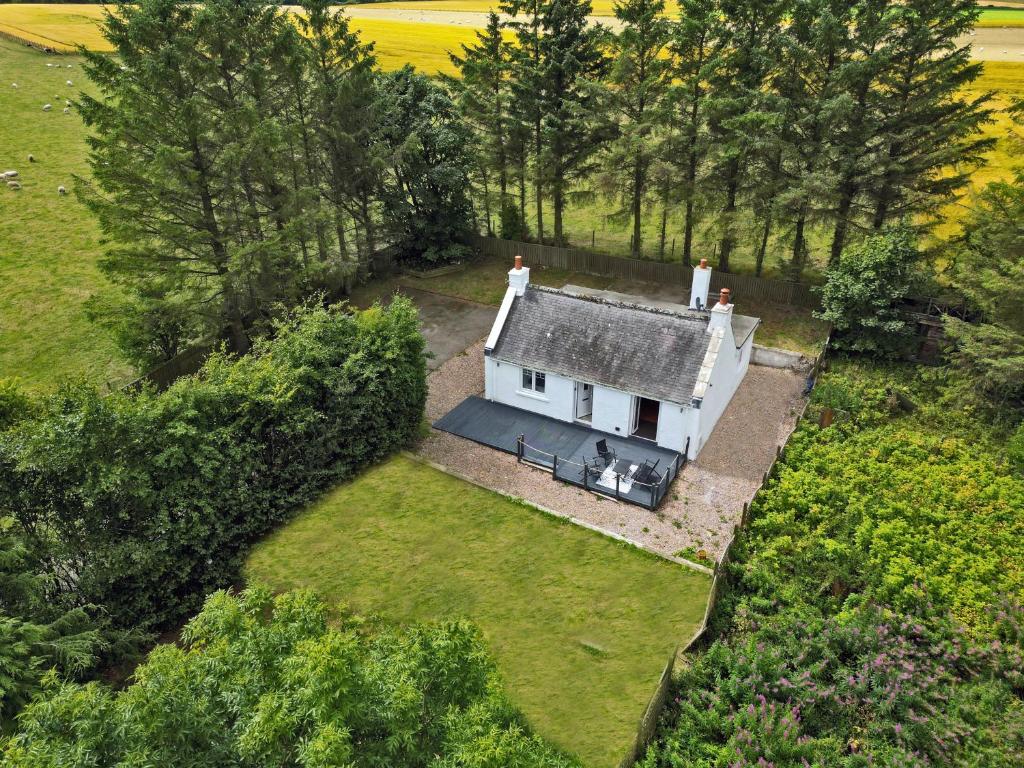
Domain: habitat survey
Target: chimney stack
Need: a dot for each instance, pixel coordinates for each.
(700, 286)
(721, 313)
(519, 276)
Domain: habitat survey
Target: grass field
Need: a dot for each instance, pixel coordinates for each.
(580, 625)
(49, 245)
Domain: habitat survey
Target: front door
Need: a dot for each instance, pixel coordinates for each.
(584, 401)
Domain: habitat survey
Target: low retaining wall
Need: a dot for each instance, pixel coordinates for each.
(773, 357)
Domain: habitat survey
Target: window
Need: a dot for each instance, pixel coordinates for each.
(534, 380)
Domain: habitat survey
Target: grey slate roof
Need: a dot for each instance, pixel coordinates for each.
(639, 350)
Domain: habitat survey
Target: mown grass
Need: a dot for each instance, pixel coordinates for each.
(49, 245)
(580, 625)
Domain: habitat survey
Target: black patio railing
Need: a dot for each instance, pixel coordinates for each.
(620, 486)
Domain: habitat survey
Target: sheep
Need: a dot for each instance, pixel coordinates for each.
(61, 191)
(47, 107)
(70, 83)
(14, 85)
(13, 185)
(9, 174)
(31, 158)
(67, 110)
(69, 66)
(67, 102)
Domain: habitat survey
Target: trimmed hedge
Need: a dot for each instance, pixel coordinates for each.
(147, 502)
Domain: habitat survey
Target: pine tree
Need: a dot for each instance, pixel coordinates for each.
(816, 48)
(482, 96)
(572, 64)
(697, 47)
(737, 108)
(855, 157)
(525, 75)
(638, 82)
(928, 127)
(341, 71)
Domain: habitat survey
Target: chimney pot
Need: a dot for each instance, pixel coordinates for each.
(519, 262)
(723, 297)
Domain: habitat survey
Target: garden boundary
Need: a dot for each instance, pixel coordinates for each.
(648, 721)
(643, 270)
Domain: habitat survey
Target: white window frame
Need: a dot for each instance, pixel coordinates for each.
(535, 377)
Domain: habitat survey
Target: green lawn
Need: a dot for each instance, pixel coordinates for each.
(49, 245)
(580, 625)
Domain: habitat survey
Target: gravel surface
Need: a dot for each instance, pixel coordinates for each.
(704, 502)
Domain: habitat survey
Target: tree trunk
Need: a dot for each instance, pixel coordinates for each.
(762, 249)
(538, 182)
(638, 193)
(847, 192)
(799, 246)
(559, 204)
(661, 235)
(729, 214)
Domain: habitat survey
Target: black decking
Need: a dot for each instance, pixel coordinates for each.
(499, 426)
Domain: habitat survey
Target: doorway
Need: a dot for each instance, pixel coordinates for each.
(584, 402)
(645, 418)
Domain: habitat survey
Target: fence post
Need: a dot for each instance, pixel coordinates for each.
(586, 475)
(519, 448)
(554, 468)
(617, 478)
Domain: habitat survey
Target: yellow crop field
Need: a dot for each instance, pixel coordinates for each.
(63, 26)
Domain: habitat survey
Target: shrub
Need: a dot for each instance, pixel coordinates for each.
(267, 681)
(146, 502)
(863, 291)
(875, 689)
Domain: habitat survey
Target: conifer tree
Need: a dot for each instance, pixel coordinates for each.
(482, 96)
(638, 82)
(737, 107)
(526, 80)
(929, 128)
(573, 63)
(697, 46)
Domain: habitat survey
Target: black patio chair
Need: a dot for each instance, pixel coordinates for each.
(606, 453)
(591, 468)
(647, 474)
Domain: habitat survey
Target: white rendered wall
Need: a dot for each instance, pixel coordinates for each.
(673, 426)
(506, 386)
(613, 411)
(728, 372)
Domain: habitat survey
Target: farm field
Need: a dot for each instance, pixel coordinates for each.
(50, 244)
(580, 625)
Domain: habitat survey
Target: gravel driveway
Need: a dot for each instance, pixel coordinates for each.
(704, 502)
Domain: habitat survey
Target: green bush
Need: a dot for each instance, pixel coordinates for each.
(863, 291)
(267, 681)
(146, 502)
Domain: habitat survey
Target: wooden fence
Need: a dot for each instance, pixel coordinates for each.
(648, 723)
(756, 289)
(649, 720)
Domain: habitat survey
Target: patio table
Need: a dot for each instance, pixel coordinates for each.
(624, 469)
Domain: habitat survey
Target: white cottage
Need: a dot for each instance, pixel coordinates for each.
(665, 375)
